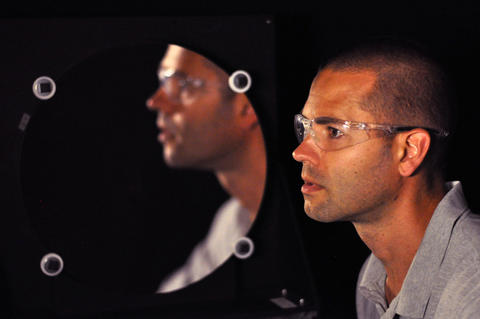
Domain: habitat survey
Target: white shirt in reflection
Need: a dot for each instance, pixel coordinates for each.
(230, 223)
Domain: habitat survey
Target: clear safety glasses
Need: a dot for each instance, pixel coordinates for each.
(331, 134)
(178, 85)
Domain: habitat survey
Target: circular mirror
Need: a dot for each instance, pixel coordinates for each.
(143, 192)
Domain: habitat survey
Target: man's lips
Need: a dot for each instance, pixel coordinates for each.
(165, 135)
(167, 131)
(309, 187)
(167, 128)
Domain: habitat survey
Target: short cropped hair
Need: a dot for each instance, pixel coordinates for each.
(411, 89)
(227, 93)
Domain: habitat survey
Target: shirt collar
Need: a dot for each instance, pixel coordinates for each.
(414, 297)
(372, 283)
(416, 289)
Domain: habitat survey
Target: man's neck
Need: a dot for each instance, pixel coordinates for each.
(395, 236)
(245, 180)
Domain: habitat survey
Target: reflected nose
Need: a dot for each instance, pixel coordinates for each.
(160, 102)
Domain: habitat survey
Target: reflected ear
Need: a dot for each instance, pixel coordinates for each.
(245, 111)
(415, 145)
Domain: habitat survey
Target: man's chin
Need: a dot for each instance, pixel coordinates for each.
(171, 157)
(320, 214)
(177, 160)
(174, 162)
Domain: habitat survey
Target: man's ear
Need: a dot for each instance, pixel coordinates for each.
(245, 111)
(414, 148)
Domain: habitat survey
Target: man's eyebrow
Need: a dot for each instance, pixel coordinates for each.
(327, 120)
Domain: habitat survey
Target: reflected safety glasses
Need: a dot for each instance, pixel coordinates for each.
(178, 85)
(331, 134)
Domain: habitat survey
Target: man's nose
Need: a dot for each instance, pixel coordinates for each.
(160, 102)
(305, 152)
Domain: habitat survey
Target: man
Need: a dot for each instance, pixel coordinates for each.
(205, 125)
(373, 144)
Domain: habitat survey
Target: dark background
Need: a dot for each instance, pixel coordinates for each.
(305, 35)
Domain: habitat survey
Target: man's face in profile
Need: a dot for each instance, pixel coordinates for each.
(196, 120)
(353, 183)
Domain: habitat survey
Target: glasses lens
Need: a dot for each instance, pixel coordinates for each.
(331, 135)
(178, 87)
(172, 87)
(299, 128)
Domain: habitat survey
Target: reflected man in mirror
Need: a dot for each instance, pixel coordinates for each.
(373, 143)
(204, 125)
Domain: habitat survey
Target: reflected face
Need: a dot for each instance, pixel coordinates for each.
(353, 183)
(196, 117)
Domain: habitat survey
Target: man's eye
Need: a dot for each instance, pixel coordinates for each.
(334, 132)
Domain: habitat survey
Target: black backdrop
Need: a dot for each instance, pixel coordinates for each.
(85, 179)
(305, 35)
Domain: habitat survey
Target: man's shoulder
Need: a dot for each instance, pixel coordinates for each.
(463, 228)
(461, 269)
(460, 297)
(229, 213)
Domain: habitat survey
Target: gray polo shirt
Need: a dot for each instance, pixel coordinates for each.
(443, 280)
(231, 222)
